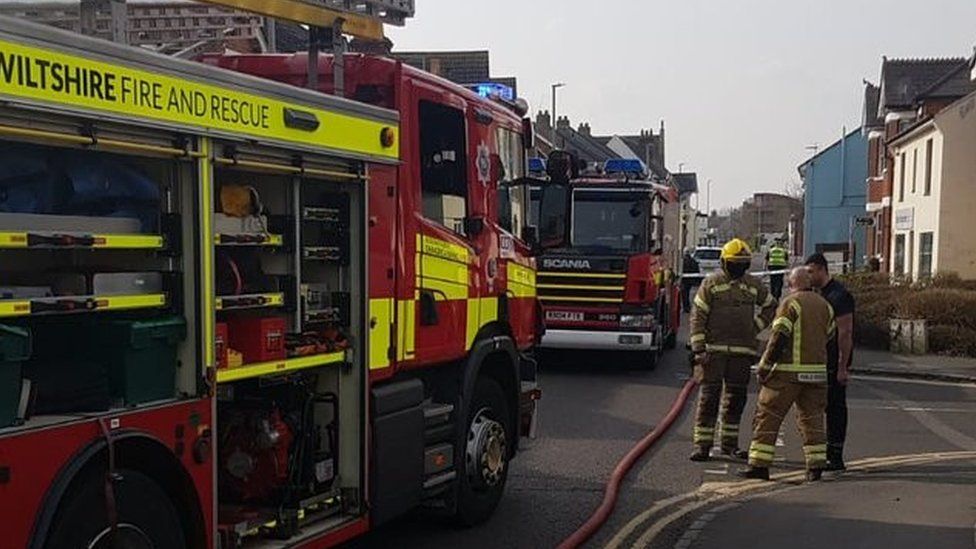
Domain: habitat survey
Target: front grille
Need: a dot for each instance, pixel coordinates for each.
(575, 287)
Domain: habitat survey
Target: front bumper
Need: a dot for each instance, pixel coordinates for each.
(600, 341)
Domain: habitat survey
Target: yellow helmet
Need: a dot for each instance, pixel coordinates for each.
(736, 251)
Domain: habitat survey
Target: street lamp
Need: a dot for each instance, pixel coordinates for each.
(708, 198)
(681, 167)
(554, 118)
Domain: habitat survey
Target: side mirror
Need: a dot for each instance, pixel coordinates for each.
(528, 134)
(554, 222)
(530, 235)
(473, 226)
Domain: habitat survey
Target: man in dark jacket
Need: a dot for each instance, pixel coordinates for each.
(689, 266)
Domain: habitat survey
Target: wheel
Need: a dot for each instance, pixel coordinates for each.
(146, 516)
(485, 449)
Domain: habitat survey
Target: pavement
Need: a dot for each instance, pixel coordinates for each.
(872, 362)
(912, 447)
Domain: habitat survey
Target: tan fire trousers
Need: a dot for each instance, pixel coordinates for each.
(780, 392)
(728, 375)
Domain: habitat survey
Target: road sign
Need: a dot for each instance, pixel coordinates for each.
(864, 222)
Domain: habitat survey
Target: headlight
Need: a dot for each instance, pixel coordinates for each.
(636, 321)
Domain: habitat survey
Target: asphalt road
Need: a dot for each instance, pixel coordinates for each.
(596, 406)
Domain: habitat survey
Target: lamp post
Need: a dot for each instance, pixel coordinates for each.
(554, 117)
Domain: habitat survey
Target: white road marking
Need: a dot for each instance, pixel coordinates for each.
(724, 470)
(714, 492)
(916, 381)
(916, 409)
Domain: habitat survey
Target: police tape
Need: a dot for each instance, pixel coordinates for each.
(696, 276)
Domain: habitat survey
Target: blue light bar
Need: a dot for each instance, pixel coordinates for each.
(537, 165)
(628, 166)
(490, 90)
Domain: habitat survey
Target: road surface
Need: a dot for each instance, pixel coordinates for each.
(596, 406)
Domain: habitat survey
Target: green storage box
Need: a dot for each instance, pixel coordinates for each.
(15, 348)
(141, 356)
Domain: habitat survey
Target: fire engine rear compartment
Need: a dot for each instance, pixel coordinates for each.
(103, 289)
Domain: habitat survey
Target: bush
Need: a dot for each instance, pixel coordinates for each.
(946, 301)
(948, 340)
(941, 307)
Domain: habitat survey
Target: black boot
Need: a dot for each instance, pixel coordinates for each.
(736, 453)
(835, 458)
(700, 454)
(756, 473)
(814, 475)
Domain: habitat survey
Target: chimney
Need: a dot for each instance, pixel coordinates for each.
(562, 122)
(584, 129)
(543, 121)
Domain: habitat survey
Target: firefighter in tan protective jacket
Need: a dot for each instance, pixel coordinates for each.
(793, 370)
(724, 326)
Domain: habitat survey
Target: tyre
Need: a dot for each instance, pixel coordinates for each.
(147, 518)
(484, 451)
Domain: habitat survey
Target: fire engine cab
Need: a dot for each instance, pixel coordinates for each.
(238, 313)
(608, 286)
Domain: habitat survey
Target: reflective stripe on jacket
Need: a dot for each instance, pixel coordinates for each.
(798, 345)
(725, 318)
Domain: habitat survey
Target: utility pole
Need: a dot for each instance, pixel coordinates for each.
(554, 117)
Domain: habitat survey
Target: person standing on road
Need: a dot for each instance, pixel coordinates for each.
(793, 370)
(724, 326)
(689, 266)
(777, 259)
(840, 353)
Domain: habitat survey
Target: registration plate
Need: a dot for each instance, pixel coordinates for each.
(564, 316)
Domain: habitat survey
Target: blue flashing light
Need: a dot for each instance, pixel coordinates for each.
(627, 166)
(537, 165)
(491, 90)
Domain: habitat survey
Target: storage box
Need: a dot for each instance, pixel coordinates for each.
(135, 359)
(142, 357)
(221, 344)
(259, 339)
(15, 348)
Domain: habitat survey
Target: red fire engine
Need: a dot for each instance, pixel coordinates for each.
(610, 287)
(236, 313)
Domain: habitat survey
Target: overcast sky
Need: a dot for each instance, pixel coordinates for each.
(743, 85)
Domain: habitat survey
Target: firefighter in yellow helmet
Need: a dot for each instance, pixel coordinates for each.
(731, 308)
(793, 370)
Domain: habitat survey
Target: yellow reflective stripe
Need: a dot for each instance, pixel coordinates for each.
(730, 430)
(760, 323)
(731, 349)
(704, 434)
(761, 452)
(194, 103)
(480, 311)
(208, 296)
(783, 324)
(443, 249)
(380, 324)
(581, 275)
(797, 332)
(20, 240)
(579, 287)
(406, 329)
(770, 300)
(802, 368)
(269, 300)
(521, 280)
(11, 308)
(753, 291)
(701, 304)
(697, 338)
(279, 367)
(719, 288)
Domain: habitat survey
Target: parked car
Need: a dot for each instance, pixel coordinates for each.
(708, 258)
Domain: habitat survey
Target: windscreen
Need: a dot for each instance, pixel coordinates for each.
(609, 221)
(708, 255)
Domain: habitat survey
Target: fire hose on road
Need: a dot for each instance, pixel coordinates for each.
(602, 513)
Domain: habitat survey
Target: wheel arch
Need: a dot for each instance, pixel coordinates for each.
(494, 354)
(136, 451)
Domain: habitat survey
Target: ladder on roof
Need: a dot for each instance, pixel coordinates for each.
(358, 18)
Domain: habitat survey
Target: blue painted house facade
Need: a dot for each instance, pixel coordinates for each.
(834, 186)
